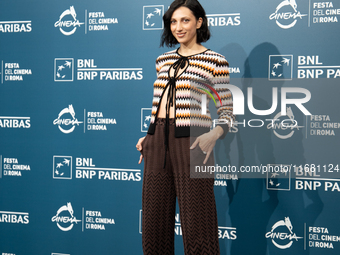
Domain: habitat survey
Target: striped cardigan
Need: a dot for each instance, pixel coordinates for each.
(205, 72)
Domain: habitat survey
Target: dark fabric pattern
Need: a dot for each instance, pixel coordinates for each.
(161, 186)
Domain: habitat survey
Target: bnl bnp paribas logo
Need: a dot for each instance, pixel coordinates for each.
(280, 67)
(286, 14)
(68, 22)
(145, 119)
(279, 178)
(62, 167)
(63, 69)
(153, 17)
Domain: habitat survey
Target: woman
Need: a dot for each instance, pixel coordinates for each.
(179, 136)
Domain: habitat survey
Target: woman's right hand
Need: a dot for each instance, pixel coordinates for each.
(139, 148)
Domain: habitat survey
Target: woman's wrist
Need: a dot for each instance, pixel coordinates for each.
(218, 132)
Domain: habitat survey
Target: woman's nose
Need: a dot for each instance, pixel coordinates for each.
(178, 26)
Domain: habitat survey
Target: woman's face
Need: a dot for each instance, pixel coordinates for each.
(183, 25)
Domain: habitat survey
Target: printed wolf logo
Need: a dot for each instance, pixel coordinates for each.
(62, 24)
(286, 19)
(66, 122)
(282, 236)
(65, 219)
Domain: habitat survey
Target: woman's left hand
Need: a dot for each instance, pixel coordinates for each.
(207, 141)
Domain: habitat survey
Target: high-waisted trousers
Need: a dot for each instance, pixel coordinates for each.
(195, 196)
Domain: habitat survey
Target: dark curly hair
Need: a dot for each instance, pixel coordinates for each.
(203, 33)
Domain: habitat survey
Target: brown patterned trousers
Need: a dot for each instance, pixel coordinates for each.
(195, 196)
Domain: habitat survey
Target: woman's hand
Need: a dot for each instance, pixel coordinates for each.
(139, 148)
(207, 141)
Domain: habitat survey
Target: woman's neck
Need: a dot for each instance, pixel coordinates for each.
(186, 50)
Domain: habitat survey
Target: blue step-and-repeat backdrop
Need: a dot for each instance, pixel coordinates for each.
(76, 83)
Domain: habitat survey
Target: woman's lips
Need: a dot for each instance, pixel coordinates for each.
(180, 35)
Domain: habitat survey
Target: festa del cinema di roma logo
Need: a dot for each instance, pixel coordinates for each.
(280, 238)
(286, 14)
(65, 218)
(63, 122)
(68, 22)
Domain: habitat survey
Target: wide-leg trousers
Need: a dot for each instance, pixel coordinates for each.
(195, 196)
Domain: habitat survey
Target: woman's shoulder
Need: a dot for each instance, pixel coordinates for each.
(215, 55)
(216, 59)
(167, 55)
(166, 58)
